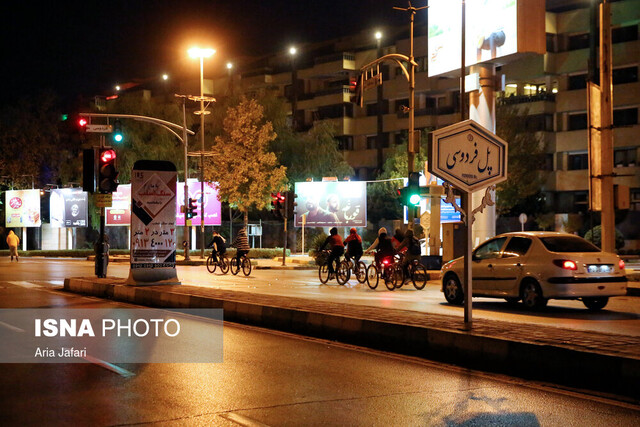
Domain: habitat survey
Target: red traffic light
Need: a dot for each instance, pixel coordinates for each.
(107, 155)
(82, 122)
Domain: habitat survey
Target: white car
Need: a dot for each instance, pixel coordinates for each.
(537, 266)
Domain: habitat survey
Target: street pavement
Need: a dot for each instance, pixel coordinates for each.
(603, 362)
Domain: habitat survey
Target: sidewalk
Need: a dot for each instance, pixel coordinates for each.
(598, 361)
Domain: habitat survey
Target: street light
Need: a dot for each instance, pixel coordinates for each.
(165, 77)
(196, 52)
(379, 117)
(294, 93)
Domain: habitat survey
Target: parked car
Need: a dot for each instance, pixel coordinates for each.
(537, 266)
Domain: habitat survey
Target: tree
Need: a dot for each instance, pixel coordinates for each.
(521, 191)
(244, 168)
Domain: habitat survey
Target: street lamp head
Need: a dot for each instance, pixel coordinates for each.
(229, 65)
(165, 77)
(378, 35)
(293, 50)
(196, 52)
(117, 87)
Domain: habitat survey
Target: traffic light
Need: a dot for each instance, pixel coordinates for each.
(355, 90)
(117, 131)
(107, 171)
(82, 124)
(89, 170)
(290, 203)
(410, 195)
(191, 209)
(278, 203)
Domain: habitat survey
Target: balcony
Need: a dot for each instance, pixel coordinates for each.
(329, 66)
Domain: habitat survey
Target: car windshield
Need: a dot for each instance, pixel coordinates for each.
(568, 244)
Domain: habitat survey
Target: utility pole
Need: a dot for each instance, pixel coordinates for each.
(187, 228)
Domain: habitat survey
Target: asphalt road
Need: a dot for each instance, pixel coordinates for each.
(270, 378)
(620, 316)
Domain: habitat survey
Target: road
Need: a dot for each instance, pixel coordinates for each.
(621, 316)
(270, 378)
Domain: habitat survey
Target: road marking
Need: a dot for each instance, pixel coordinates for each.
(110, 366)
(11, 327)
(242, 420)
(25, 284)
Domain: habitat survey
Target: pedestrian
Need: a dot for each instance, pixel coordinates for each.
(13, 241)
(241, 243)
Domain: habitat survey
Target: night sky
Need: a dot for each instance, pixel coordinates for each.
(86, 47)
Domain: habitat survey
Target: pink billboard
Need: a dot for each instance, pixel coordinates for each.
(212, 206)
(120, 211)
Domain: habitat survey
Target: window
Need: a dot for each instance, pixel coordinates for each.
(517, 246)
(579, 41)
(345, 143)
(489, 250)
(624, 34)
(624, 157)
(625, 75)
(625, 117)
(371, 142)
(547, 164)
(540, 122)
(578, 161)
(578, 82)
(634, 196)
(577, 121)
(567, 244)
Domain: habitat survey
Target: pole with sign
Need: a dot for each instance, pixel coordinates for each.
(469, 157)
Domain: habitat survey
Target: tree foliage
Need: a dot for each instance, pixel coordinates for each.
(244, 168)
(521, 192)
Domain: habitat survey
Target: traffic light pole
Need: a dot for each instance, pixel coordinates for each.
(101, 262)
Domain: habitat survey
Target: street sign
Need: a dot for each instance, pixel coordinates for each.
(99, 128)
(468, 156)
(103, 200)
(522, 218)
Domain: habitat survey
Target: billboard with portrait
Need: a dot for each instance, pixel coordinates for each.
(68, 207)
(212, 206)
(22, 208)
(329, 204)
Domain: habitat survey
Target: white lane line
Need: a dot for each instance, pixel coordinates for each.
(110, 366)
(11, 327)
(242, 420)
(25, 284)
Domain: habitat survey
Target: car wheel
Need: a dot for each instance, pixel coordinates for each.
(595, 303)
(531, 295)
(452, 289)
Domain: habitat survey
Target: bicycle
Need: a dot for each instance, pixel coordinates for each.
(385, 271)
(245, 264)
(359, 269)
(222, 262)
(341, 270)
(416, 272)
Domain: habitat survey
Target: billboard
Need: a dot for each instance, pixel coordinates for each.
(120, 211)
(212, 206)
(494, 29)
(22, 208)
(329, 204)
(68, 207)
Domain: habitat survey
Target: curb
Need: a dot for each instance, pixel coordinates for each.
(531, 360)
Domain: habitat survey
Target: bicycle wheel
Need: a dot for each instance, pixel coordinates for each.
(397, 276)
(323, 273)
(372, 276)
(233, 266)
(224, 264)
(387, 274)
(211, 266)
(361, 272)
(419, 276)
(343, 273)
(246, 266)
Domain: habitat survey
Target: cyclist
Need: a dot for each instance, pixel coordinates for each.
(353, 242)
(413, 250)
(337, 249)
(397, 238)
(383, 245)
(241, 243)
(218, 244)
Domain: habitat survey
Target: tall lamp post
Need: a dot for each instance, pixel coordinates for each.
(379, 128)
(196, 52)
(294, 92)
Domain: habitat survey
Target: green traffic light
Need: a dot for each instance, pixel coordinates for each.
(414, 199)
(117, 137)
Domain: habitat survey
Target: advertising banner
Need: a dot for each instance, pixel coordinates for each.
(120, 211)
(212, 206)
(153, 222)
(68, 207)
(491, 32)
(22, 208)
(329, 204)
